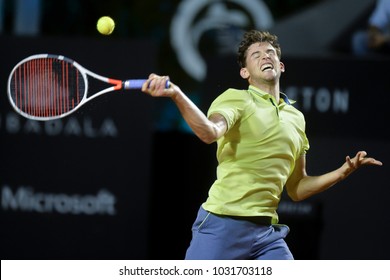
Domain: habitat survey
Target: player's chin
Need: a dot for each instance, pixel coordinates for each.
(270, 77)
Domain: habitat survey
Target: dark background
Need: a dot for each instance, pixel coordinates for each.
(150, 163)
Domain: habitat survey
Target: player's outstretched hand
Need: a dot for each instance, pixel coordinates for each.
(360, 159)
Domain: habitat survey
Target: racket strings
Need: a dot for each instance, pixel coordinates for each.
(46, 87)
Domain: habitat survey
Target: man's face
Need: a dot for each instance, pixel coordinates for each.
(262, 64)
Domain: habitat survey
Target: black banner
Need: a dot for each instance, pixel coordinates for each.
(78, 187)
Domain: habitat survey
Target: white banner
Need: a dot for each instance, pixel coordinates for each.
(180, 269)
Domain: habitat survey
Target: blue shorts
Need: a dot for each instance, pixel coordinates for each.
(216, 237)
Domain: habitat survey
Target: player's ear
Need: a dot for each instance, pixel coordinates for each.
(244, 73)
(282, 67)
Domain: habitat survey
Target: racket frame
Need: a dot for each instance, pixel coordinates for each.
(116, 85)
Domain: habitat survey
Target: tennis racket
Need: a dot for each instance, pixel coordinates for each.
(47, 86)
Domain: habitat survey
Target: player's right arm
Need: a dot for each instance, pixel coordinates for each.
(207, 129)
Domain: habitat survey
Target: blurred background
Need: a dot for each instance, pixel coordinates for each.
(124, 176)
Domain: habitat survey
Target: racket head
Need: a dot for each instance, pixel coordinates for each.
(46, 87)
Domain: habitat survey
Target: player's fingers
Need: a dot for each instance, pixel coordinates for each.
(348, 160)
(360, 158)
(372, 161)
(145, 85)
(161, 84)
(352, 163)
(361, 154)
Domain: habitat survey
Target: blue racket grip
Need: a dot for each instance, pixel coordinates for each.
(137, 84)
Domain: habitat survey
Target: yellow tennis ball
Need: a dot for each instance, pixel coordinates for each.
(105, 25)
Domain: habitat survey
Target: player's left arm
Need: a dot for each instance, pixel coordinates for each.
(300, 185)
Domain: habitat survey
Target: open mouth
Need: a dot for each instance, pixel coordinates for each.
(267, 66)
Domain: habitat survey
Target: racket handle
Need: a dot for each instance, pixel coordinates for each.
(137, 84)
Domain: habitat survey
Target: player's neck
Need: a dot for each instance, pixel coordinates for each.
(272, 89)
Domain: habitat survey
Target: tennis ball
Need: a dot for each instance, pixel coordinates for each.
(105, 25)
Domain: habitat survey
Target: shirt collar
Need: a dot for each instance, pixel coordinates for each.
(265, 95)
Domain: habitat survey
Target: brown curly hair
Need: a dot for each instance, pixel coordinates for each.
(254, 36)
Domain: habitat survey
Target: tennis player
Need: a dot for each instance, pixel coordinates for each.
(261, 148)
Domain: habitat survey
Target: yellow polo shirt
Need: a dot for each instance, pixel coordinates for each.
(257, 154)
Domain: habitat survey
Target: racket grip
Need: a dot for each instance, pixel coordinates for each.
(137, 84)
